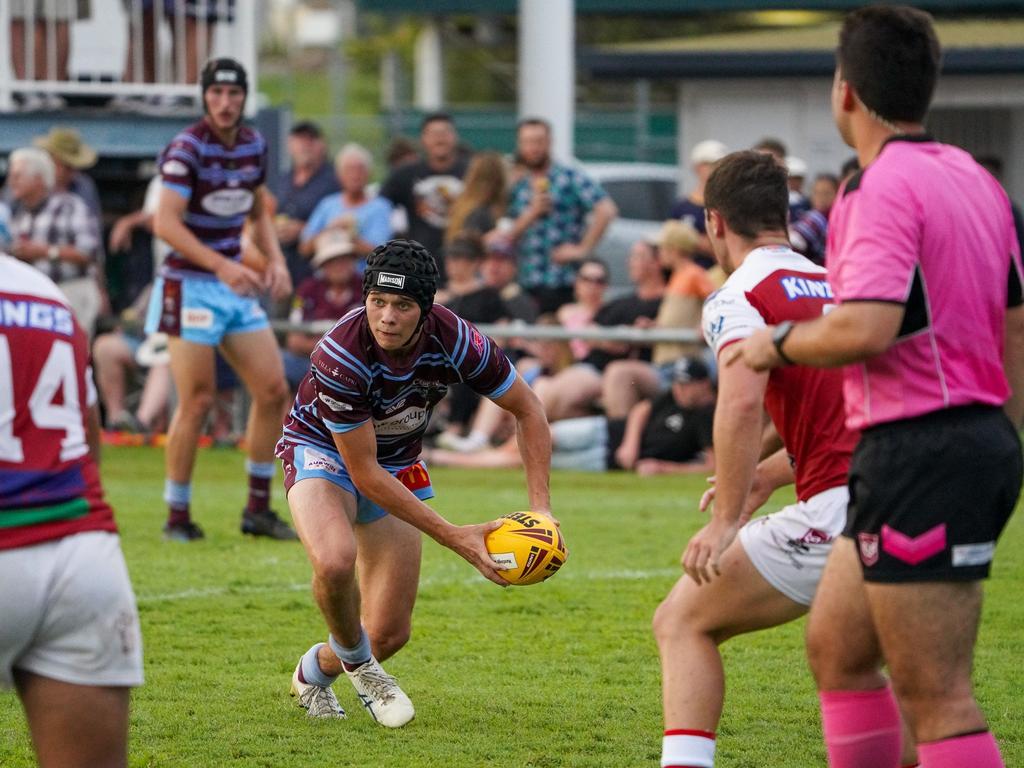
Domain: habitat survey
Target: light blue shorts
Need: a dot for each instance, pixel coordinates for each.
(201, 310)
(304, 461)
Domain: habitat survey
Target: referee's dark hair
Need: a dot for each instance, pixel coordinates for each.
(750, 191)
(891, 56)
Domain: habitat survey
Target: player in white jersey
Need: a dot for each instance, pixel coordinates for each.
(69, 631)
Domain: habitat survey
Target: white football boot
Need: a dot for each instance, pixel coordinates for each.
(316, 700)
(380, 694)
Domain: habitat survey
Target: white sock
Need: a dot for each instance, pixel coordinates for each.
(681, 748)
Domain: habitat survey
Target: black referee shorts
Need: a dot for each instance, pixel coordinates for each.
(929, 496)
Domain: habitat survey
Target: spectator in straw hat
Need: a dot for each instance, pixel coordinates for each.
(334, 289)
(71, 157)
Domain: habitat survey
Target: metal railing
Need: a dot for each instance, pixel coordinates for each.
(520, 330)
(174, 37)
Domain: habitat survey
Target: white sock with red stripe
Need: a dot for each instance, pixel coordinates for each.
(684, 748)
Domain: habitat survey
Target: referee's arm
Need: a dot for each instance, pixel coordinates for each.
(1013, 362)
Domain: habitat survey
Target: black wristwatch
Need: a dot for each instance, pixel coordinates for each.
(779, 336)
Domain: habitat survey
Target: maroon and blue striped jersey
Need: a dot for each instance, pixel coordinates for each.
(353, 381)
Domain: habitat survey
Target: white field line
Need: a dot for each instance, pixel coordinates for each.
(204, 593)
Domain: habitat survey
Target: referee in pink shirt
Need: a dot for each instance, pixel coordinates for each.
(926, 268)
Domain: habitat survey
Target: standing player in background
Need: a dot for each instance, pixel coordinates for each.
(69, 633)
(930, 326)
(213, 178)
(355, 481)
(742, 577)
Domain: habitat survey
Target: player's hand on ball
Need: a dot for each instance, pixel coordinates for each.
(278, 281)
(704, 552)
(239, 278)
(467, 541)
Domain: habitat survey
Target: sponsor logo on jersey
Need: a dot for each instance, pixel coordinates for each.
(174, 168)
(197, 318)
(228, 202)
(401, 423)
(803, 288)
(312, 459)
(815, 536)
(37, 315)
(714, 329)
(394, 407)
(336, 405)
(973, 554)
(390, 280)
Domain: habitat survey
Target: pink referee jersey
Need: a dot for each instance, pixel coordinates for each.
(926, 227)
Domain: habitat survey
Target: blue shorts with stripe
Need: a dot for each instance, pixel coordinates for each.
(305, 461)
(202, 310)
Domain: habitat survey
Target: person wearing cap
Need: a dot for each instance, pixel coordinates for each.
(72, 157)
(798, 203)
(205, 298)
(307, 182)
(329, 293)
(355, 481)
(690, 209)
(626, 382)
(745, 576)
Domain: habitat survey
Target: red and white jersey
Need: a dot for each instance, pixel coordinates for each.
(806, 404)
(49, 483)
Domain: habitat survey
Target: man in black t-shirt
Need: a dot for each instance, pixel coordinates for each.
(426, 188)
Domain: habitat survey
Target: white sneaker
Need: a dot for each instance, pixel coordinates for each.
(316, 700)
(380, 694)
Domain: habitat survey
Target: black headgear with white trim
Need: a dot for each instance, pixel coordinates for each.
(404, 267)
(222, 71)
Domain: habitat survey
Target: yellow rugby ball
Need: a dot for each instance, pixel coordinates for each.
(530, 545)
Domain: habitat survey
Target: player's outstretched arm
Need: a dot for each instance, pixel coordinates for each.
(534, 438)
(358, 450)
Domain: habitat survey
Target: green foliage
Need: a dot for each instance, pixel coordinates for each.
(560, 674)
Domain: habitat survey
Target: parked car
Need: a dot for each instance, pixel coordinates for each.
(644, 193)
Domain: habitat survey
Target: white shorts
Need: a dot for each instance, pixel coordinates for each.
(789, 547)
(69, 612)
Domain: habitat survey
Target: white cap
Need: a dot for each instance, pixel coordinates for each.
(708, 151)
(796, 167)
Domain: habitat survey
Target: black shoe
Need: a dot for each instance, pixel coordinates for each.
(267, 523)
(183, 532)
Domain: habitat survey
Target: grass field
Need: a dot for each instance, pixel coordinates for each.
(560, 674)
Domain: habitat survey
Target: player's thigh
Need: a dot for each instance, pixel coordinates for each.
(389, 572)
(257, 360)
(927, 633)
(737, 601)
(323, 514)
(75, 726)
(841, 642)
(192, 368)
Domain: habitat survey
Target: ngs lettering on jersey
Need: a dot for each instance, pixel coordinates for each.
(49, 487)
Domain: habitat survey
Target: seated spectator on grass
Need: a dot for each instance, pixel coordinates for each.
(670, 435)
(334, 288)
(466, 294)
(808, 233)
(576, 391)
(122, 356)
(366, 219)
(55, 232)
(626, 382)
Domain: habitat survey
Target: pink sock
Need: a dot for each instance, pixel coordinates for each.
(862, 728)
(978, 750)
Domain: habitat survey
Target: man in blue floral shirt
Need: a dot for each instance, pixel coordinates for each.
(550, 205)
